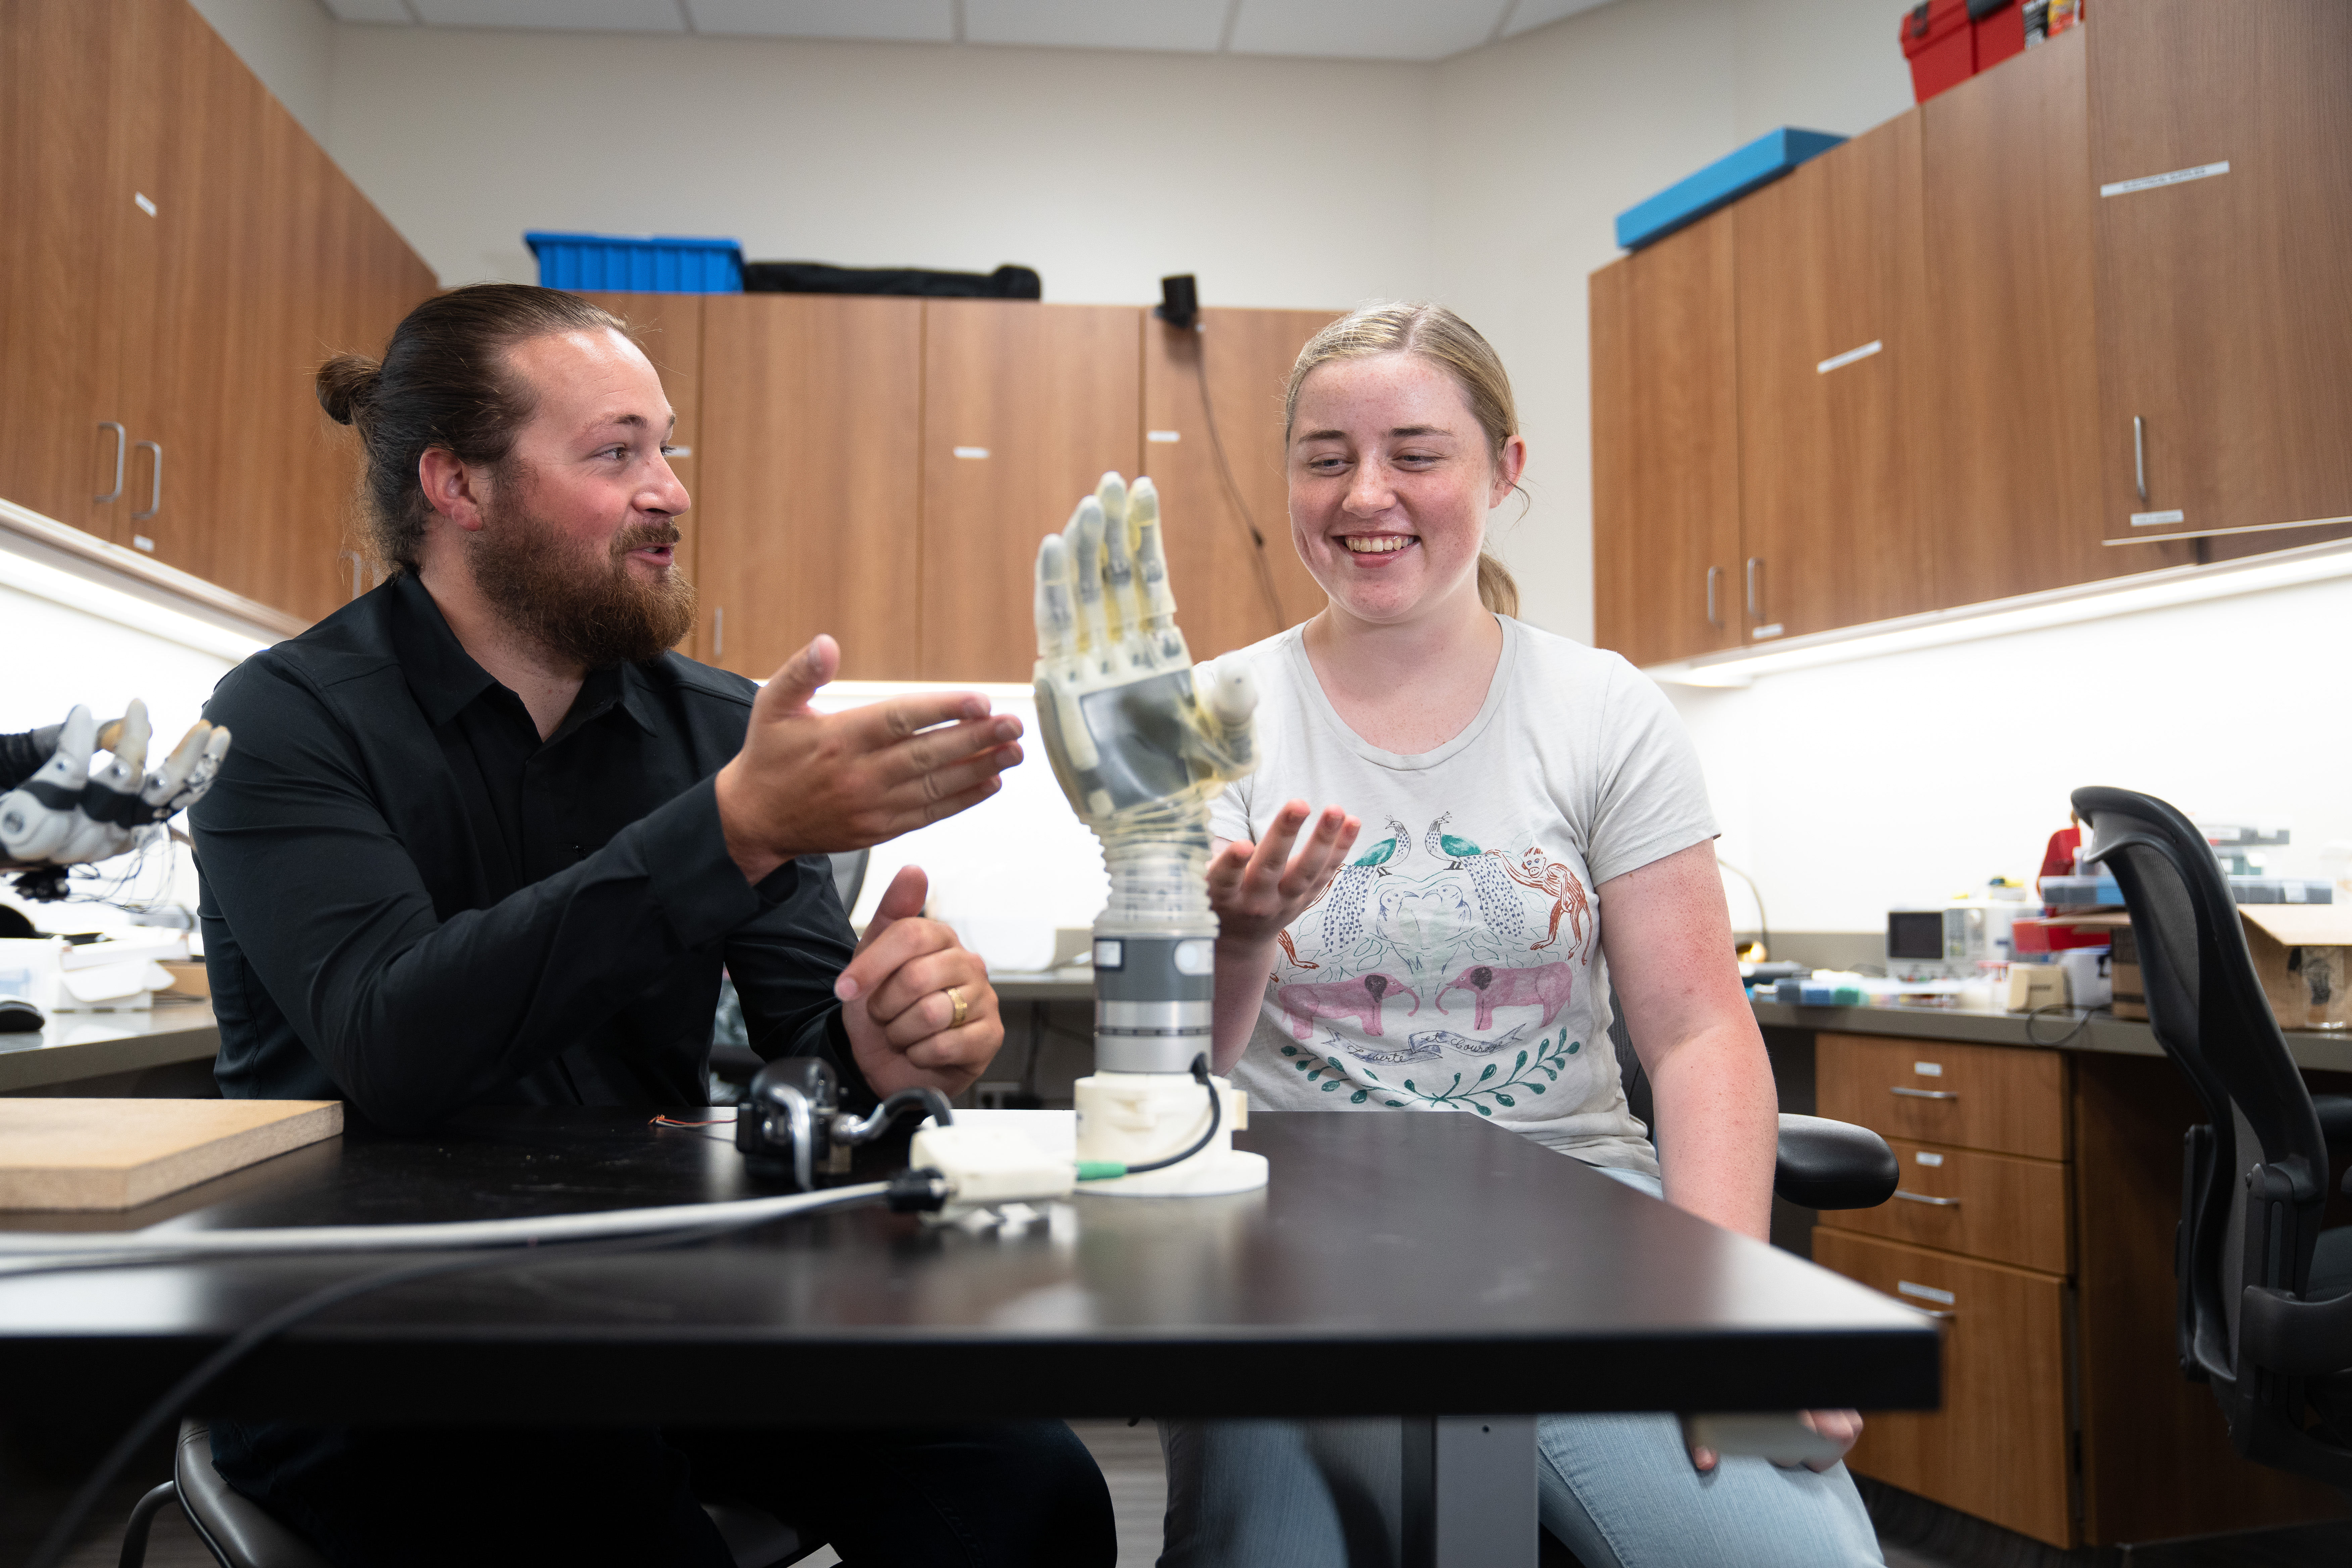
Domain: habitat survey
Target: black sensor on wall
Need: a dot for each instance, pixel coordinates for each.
(1179, 301)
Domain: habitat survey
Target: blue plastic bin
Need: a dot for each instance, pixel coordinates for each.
(637, 263)
(1726, 180)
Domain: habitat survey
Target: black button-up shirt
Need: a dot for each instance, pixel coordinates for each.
(412, 903)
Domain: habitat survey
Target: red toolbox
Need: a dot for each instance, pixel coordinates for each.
(1939, 40)
(2000, 29)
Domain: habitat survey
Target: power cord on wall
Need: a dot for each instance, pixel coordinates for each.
(1265, 569)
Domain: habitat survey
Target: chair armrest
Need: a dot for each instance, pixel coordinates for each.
(2279, 1334)
(1825, 1165)
(2335, 1117)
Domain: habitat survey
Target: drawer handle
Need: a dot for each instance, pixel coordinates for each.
(1924, 1198)
(1923, 1093)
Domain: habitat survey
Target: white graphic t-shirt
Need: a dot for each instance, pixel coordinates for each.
(1454, 964)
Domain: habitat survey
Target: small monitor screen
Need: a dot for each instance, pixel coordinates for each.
(1915, 934)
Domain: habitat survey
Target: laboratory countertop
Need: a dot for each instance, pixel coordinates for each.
(2068, 1029)
(76, 1046)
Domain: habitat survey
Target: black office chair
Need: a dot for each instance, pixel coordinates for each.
(240, 1533)
(2265, 1293)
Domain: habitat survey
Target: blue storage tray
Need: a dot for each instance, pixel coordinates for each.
(637, 263)
(1726, 180)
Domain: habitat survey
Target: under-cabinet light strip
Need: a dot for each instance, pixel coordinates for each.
(2027, 612)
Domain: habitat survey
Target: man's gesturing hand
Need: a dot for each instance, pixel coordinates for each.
(807, 781)
(895, 1000)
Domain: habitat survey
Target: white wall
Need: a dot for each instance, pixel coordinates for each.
(1102, 170)
(288, 44)
(1900, 781)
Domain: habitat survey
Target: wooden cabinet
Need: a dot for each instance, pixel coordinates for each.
(1831, 286)
(2034, 1218)
(1978, 1234)
(2010, 440)
(2225, 301)
(1998, 1449)
(65, 69)
(2087, 313)
(810, 464)
(1666, 450)
(1024, 407)
(1236, 576)
(197, 256)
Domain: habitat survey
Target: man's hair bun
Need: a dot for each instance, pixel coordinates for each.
(345, 385)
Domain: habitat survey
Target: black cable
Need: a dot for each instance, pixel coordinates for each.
(2081, 1024)
(1233, 486)
(54, 1545)
(1216, 1115)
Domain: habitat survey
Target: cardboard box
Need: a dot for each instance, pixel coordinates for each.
(2302, 956)
(2302, 952)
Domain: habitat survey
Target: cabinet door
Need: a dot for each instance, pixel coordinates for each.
(808, 464)
(1236, 576)
(669, 326)
(1025, 406)
(2010, 447)
(1665, 460)
(1832, 284)
(2225, 302)
(67, 198)
(260, 260)
(1999, 1447)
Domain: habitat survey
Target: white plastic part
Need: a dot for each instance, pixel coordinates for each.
(1779, 1437)
(1134, 1117)
(989, 1165)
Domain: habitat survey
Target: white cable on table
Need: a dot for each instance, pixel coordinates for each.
(452, 1234)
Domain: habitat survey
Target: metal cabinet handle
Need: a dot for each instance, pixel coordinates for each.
(155, 487)
(1922, 1093)
(718, 633)
(2139, 457)
(1754, 613)
(1713, 619)
(1924, 1198)
(121, 449)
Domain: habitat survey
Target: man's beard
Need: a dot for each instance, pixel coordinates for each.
(599, 614)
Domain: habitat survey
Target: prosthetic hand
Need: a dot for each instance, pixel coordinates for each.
(66, 812)
(1142, 741)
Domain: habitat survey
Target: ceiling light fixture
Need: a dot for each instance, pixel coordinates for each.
(2025, 613)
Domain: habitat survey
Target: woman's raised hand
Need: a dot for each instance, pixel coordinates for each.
(1258, 888)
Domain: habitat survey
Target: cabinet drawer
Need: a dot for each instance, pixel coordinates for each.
(1998, 1448)
(1995, 1206)
(2009, 1100)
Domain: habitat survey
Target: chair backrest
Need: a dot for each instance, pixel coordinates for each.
(2256, 1182)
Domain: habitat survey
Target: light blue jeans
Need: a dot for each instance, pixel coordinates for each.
(1619, 1490)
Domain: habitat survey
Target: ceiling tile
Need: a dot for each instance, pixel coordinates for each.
(1190, 25)
(1365, 30)
(1534, 14)
(894, 21)
(580, 16)
(371, 11)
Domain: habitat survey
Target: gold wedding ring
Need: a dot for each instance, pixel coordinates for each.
(962, 1007)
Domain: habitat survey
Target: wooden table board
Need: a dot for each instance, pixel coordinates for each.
(119, 1154)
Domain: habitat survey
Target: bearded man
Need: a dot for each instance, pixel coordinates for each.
(486, 841)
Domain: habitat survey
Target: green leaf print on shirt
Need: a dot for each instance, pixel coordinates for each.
(1533, 1073)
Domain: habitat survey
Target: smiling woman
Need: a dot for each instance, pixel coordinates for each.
(1548, 842)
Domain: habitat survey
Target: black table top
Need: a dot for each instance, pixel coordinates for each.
(1396, 1265)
